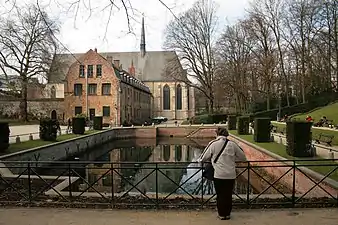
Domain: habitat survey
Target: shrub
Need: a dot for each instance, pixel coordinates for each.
(4, 137)
(97, 123)
(232, 122)
(298, 136)
(243, 125)
(262, 127)
(79, 125)
(48, 129)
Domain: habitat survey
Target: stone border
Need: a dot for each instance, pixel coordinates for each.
(317, 176)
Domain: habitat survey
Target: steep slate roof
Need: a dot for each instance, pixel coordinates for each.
(151, 67)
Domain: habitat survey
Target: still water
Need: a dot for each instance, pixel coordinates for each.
(161, 165)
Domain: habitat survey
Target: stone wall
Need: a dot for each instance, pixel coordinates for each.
(187, 131)
(38, 107)
(302, 182)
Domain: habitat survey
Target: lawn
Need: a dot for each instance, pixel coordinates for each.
(280, 150)
(37, 143)
(330, 111)
(315, 132)
(13, 122)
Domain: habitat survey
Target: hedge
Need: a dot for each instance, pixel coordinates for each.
(298, 136)
(79, 125)
(262, 127)
(97, 122)
(48, 129)
(243, 125)
(232, 119)
(4, 137)
(207, 119)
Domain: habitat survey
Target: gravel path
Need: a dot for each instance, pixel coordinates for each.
(52, 216)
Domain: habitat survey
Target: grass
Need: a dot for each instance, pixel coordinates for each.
(13, 122)
(330, 111)
(315, 132)
(280, 150)
(38, 143)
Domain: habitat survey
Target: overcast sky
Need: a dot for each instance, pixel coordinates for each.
(88, 30)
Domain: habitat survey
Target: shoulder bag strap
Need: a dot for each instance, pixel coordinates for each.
(219, 154)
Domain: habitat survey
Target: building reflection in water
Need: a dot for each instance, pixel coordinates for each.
(145, 175)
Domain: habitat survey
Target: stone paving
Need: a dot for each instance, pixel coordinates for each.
(24, 130)
(53, 216)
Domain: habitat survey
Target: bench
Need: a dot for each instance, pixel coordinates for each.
(324, 138)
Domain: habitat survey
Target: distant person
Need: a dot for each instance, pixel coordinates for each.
(69, 127)
(225, 169)
(309, 119)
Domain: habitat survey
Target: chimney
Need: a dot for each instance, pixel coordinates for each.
(117, 63)
(110, 59)
(132, 69)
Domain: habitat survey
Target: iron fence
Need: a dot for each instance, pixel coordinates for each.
(282, 183)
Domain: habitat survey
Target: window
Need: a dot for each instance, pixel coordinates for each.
(106, 89)
(92, 89)
(82, 71)
(178, 97)
(77, 89)
(166, 97)
(90, 71)
(98, 70)
(106, 111)
(53, 92)
(78, 110)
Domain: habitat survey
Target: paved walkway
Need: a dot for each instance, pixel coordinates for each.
(52, 216)
(24, 130)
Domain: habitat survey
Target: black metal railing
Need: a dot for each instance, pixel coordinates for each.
(286, 183)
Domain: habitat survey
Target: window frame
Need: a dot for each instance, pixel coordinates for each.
(75, 92)
(103, 111)
(97, 70)
(92, 85)
(102, 87)
(78, 107)
(90, 71)
(82, 71)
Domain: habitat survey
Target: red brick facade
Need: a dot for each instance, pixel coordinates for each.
(96, 87)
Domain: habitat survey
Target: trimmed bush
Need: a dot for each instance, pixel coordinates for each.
(97, 123)
(232, 119)
(299, 138)
(79, 125)
(48, 129)
(243, 125)
(4, 137)
(262, 127)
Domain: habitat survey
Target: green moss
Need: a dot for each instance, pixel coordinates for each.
(38, 143)
(280, 150)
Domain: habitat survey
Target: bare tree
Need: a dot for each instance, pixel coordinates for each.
(192, 36)
(27, 46)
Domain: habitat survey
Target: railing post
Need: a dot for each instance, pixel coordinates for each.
(294, 183)
(112, 184)
(69, 182)
(248, 186)
(156, 180)
(202, 188)
(29, 183)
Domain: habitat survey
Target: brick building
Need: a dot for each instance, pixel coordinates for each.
(133, 77)
(111, 91)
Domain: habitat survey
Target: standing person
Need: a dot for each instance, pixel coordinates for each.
(225, 169)
(69, 127)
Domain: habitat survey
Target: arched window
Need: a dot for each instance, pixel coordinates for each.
(188, 97)
(53, 92)
(166, 97)
(166, 153)
(178, 97)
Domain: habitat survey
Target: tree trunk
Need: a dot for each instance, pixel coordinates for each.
(23, 101)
